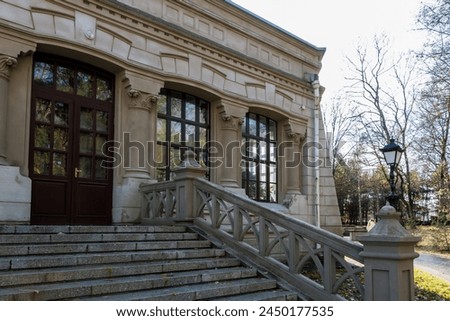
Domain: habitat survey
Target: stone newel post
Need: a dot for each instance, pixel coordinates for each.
(388, 259)
(185, 174)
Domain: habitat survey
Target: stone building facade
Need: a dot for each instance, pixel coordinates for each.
(97, 97)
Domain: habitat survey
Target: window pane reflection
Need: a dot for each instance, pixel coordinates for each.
(59, 164)
(86, 119)
(102, 121)
(43, 110)
(61, 114)
(43, 74)
(41, 163)
(65, 79)
(85, 84)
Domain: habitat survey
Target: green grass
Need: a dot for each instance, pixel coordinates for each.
(430, 288)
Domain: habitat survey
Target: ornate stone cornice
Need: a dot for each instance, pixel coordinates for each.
(141, 100)
(6, 63)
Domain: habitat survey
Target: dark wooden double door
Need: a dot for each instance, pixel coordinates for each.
(71, 125)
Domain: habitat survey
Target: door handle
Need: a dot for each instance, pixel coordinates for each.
(77, 172)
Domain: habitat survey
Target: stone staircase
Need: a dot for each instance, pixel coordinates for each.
(123, 263)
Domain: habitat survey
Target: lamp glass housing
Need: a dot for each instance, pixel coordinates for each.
(392, 153)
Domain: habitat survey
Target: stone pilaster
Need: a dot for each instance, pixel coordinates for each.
(137, 134)
(292, 166)
(230, 137)
(6, 64)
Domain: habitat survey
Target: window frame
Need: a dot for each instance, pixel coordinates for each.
(201, 121)
(268, 159)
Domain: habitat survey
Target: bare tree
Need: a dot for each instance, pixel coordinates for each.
(434, 18)
(339, 125)
(384, 90)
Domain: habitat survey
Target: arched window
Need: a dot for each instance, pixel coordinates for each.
(259, 168)
(183, 123)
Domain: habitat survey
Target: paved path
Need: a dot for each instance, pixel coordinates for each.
(434, 264)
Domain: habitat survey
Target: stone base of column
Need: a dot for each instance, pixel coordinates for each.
(127, 200)
(15, 196)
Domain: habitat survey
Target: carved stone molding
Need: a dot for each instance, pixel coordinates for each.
(231, 122)
(296, 138)
(6, 63)
(141, 100)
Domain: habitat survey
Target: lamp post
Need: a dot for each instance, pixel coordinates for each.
(392, 155)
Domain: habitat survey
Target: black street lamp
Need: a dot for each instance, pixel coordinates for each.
(392, 155)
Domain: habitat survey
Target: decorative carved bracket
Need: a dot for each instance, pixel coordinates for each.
(231, 122)
(6, 63)
(141, 100)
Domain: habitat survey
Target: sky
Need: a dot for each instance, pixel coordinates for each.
(339, 25)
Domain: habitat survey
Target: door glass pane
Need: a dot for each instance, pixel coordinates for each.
(43, 110)
(100, 171)
(43, 136)
(86, 143)
(86, 119)
(102, 121)
(85, 167)
(61, 114)
(100, 141)
(41, 163)
(104, 91)
(59, 164)
(85, 84)
(190, 108)
(61, 139)
(43, 74)
(65, 79)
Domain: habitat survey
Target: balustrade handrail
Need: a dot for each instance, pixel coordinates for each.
(271, 241)
(318, 235)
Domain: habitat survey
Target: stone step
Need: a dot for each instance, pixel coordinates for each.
(90, 272)
(93, 237)
(123, 263)
(55, 229)
(272, 295)
(44, 261)
(62, 248)
(200, 291)
(157, 282)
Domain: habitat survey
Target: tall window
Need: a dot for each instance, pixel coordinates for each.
(259, 168)
(183, 123)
